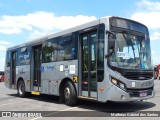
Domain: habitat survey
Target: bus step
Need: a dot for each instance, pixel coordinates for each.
(87, 98)
(35, 92)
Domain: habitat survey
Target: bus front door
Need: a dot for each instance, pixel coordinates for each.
(88, 82)
(13, 69)
(37, 55)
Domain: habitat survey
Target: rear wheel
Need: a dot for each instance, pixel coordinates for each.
(70, 95)
(21, 89)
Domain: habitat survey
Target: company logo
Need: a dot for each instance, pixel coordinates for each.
(42, 68)
(6, 114)
(146, 84)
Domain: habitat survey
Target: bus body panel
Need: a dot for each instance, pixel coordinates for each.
(48, 78)
(117, 94)
(23, 73)
(7, 77)
(134, 87)
(102, 94)
(53, 73)
(67, 69)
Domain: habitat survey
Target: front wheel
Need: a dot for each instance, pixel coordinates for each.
(21, 89)
(70, 95)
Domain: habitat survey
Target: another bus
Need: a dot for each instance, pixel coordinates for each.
(157, 72)
(108, 59)
(1, 76)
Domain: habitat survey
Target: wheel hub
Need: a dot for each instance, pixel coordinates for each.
(20, 89)
(67, 93)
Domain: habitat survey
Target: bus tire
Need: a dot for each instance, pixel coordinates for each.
(70, 96)
(21, 89)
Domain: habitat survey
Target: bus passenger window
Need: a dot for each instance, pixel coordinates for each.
(8, 59)
(49, 51)
(66, 49)
(23, 56)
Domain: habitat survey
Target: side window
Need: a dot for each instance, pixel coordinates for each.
(66, 48)
(49, 51)
(60, 48)
(23, 56)
(8, 58)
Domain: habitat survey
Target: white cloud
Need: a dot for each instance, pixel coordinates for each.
(155, 36)
(148, 13)
(149, 5)
(10, 30)
(3, 45)
(2, 48)
(150, 19)
(45, 21)
(4, 42)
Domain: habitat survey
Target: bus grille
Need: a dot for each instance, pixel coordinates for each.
(136, 93)
(139, 75)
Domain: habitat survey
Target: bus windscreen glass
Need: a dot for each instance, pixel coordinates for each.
(131, 52)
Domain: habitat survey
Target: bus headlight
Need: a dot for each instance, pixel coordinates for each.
(114, 81)
(118, 83)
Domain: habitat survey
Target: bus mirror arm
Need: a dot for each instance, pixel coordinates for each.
(109, 54)
(109, 32)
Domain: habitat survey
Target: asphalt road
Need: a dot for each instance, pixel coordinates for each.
(9, 101)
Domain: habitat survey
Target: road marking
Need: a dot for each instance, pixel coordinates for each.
(55, 112)
(11, 103)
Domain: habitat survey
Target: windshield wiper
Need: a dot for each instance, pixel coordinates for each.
(128, 38)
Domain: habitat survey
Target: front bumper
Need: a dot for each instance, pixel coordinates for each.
(117, 94)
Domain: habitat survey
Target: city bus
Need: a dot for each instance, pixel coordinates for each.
(108, 59)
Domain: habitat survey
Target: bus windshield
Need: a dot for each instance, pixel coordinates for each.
(131, 52)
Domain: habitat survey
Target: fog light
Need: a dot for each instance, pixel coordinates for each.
(122, 85)
(123, 97)
(114, 81)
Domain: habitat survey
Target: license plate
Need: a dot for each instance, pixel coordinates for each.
(143, 94)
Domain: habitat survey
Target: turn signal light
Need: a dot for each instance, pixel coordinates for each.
(101, 89)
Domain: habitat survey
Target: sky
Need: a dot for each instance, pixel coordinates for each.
(24, 20)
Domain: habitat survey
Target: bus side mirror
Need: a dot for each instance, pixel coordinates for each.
(111, 43)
